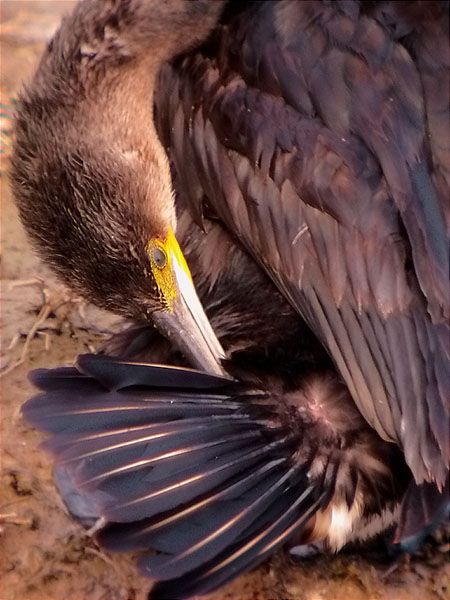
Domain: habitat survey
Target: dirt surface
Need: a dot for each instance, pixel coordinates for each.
(45, 555)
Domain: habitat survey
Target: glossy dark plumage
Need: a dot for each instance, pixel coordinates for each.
(314, 133)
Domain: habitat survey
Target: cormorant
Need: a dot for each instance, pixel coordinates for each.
(315, 132)
(211, 474)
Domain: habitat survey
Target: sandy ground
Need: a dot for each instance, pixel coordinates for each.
(45, 555)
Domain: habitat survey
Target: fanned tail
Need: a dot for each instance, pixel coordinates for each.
(197, 468)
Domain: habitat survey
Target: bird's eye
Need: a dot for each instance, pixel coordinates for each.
(159, 257)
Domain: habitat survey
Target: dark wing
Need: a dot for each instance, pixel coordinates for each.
(206, 475)
(422, 509)
(307, 130)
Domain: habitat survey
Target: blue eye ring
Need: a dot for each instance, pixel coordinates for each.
(159, 257)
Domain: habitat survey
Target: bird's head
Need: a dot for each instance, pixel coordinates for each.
(102, 215)
(90, 176)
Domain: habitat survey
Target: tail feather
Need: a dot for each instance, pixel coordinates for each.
(69, 377)
(288, 514)
(211, 535)
(89, 408)
(200, 470)
(175, 531)
(139, 500)
(119, 374)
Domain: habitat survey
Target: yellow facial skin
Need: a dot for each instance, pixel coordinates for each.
(166, 259)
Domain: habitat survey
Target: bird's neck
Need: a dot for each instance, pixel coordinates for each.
(102, 64)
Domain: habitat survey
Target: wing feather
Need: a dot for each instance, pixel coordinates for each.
(322, 155)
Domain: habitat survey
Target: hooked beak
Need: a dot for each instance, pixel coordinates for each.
(187, 325)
